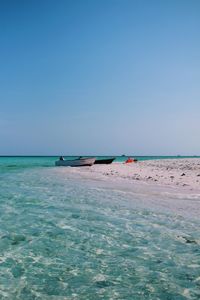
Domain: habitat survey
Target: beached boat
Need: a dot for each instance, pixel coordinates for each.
(79, 162)
(104, 161)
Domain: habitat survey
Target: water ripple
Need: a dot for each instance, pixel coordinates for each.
(63, 239)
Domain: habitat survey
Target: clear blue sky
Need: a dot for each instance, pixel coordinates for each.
(100, 77)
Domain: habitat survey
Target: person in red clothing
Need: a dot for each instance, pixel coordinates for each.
(129, 160)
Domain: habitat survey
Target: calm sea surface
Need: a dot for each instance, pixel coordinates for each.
(62, 237)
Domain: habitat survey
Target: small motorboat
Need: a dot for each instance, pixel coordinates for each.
(104, 161)
(79, 162)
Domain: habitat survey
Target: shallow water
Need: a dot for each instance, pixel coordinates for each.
(62, 237)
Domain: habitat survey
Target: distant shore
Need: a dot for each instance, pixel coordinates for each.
(184, 173)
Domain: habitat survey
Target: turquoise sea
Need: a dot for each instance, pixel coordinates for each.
(65, 237)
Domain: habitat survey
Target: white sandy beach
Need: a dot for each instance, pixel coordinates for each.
(184, 173)
(170, 185)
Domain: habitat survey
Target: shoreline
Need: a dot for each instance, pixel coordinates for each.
(179, 200)
(183, 174)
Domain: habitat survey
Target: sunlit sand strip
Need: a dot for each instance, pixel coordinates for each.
(184, 173)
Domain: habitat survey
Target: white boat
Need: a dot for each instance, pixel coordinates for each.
(79, 162)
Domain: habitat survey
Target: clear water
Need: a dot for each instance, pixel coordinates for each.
(62, 237)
